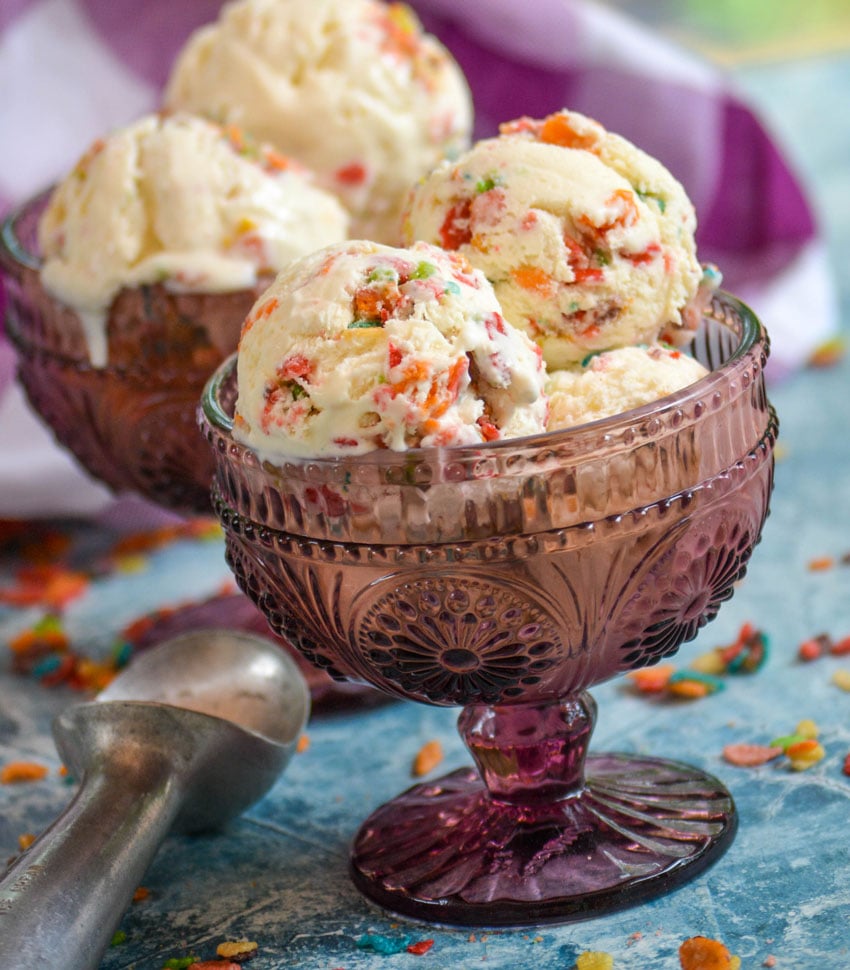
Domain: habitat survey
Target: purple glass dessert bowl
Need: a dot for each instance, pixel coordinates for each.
(132, 422)
(508, 578)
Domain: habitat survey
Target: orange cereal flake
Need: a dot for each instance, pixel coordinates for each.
(20, 771)
(302, 744)
(652, 680)
(427, 758)
(533, 278)
(820, 564)
(557, 129)
(804, 754)
(702, 953)
(25, 840)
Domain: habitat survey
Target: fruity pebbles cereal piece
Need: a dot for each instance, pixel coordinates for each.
(701, 953)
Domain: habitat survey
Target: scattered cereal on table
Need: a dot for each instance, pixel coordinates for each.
(813, 648)
(820, 564)
(594, 960)
(840, 647)
(179, 963)
(807, 728)
(427, 758)
(804, 754)
(21, 771)
(829, 353)
(383, 944)
(769, 961)
(750, 755)
(841, 678)
(420, 948)
(651, 680)
(141, 894)
(846, 767)
(236, 950)
(25, 840)
(702, 953)
(302, 744)
(118, 937)
(704, 676)
(214, 965)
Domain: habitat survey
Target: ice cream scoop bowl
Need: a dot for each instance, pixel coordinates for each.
(193, 733)
(509, 578)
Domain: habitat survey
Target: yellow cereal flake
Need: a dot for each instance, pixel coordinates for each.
(807, 729)
(841, 678)
(594, 960)
(236, 950)
(710, 663)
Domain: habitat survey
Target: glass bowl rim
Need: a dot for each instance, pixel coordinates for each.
(12, 249)
(752, 332)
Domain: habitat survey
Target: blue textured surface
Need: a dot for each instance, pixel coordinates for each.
(279, 875)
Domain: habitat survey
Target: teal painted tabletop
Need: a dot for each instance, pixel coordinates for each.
(780, 896)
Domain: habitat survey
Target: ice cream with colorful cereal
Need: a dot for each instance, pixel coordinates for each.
(353, 88)
(615, 381)
(181, 203)
(588, 241)
(361, 346)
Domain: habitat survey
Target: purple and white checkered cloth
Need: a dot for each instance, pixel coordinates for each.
(72, 69)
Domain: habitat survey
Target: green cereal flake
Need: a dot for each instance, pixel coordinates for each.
(423, 271)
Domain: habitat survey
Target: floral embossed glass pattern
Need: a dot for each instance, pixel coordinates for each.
(509, 578)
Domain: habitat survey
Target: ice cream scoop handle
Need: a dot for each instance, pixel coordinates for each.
(63, 898)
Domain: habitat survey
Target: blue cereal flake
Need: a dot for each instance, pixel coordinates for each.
(712, 683)
(386, 945)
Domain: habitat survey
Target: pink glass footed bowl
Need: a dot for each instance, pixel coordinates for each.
(130, 423)
(509, 578)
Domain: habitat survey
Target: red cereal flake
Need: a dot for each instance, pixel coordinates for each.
(769, 961)
(846, 768)
(811, 649)
(420, 947)
(214, 965)
(840, 647)
(19, 771)
(750, 755)
(701, 953)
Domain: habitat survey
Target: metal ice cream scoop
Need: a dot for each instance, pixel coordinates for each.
(190, 735)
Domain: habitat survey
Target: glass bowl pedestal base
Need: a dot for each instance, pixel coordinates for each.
(539, 833)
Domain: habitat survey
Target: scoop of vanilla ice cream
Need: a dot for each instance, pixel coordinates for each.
(616, 381)
(588, 241)
(179, 201)
(362, 346)
(352, 88)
